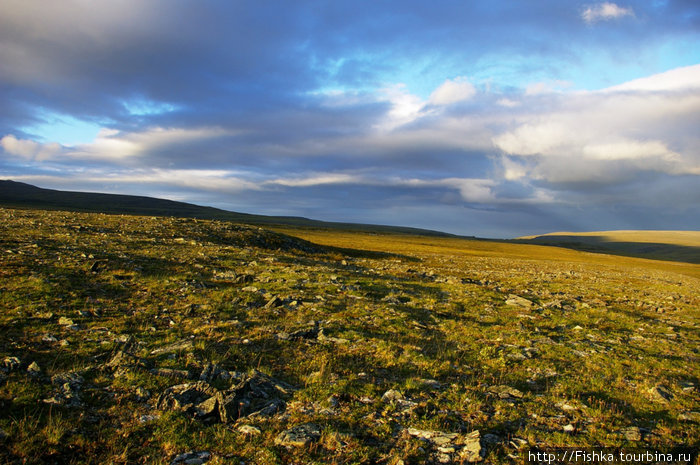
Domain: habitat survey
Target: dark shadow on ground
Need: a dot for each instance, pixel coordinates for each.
(599, 244)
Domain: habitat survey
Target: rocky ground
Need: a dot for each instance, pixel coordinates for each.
(173, 341)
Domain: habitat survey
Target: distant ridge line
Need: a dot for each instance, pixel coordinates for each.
(16, 194)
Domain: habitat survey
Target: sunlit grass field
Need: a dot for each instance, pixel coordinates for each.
(486, 349)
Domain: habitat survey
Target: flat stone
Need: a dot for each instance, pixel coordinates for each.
(392, 395)
(299, 435)
(174, 347)
(506, 392)
(517, 301)
(631, 433)
(191, 458)
(660, 394)
(249, 430)
(63, 321)
(472, 450)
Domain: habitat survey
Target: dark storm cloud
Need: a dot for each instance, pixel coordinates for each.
(298, 108)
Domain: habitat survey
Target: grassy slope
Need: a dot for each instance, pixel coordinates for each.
(601, 332)
(20, 195)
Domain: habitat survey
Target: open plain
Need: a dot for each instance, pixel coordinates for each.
(132, 339)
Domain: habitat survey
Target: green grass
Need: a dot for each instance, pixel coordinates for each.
(412, 311)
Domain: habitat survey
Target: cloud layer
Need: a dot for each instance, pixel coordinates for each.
(497, 120)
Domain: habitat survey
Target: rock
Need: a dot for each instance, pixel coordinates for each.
(299, 435)
(11, 364)
(257, 394)
(63, 321)
(660, 394)
(33, 369)
(472, 450)
(170, 373)
(213, 372)
(49, 338)
(122, 360)
(392, 395)
(186, 397)
(191, 458)
(174, 347)
(689, 416)
(631, 433)
(506, 392)
(249, 430)
(437, 437)
(451, 447)
(569, 428)
(517, 301)
(273, 302)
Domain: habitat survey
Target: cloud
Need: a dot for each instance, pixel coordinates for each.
(607, 136)
(605, 12)
(29, 149)
(452, 91)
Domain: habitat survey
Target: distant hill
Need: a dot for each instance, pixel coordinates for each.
(680, 246)
(21, 195)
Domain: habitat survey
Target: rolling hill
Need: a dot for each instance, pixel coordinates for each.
(21, 195)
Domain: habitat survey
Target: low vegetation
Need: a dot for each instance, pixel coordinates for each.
(132, 339)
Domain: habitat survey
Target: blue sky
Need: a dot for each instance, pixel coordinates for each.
(498, 119)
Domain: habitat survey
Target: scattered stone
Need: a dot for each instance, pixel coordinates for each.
(506, 392)
(687, 386)
(123, 360)
(451, 447)
(249, 430)
(299, 435)
(392, 395)
(63, 321)
(257, 394)
(187, 397)
(147, 418)
(273, 302)
(191, 458)
(472, 450)
(170, 373)
(660, 394)
(174, 347)
(11, 364)
(430, 383)
(33, 369)
(631, 433)
(213, 372)
(517, 301)
(569, 428)
(49, 338)
(437, 437)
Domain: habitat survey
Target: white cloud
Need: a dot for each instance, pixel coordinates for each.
(679, 79)
(647, 125)
(605, 12)
(29, 149)
(452, 91)
(405, 107)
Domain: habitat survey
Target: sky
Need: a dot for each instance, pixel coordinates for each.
(499, 118)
